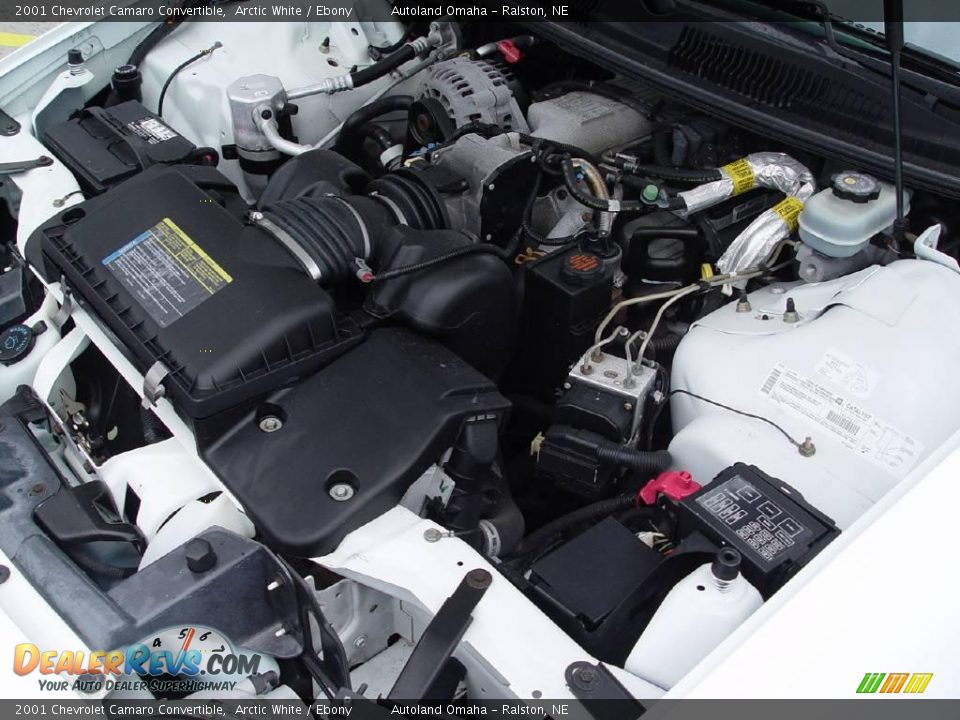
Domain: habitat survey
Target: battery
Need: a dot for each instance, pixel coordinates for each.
(776, 531)
(103, 147)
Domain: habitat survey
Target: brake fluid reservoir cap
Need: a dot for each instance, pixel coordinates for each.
(855, 186)
(15, 343)
(581, 268)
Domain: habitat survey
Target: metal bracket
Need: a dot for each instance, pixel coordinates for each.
(440, 638)
(19, 166)
(153, 388)
(590, 682)
(66, 307)
(8, 126)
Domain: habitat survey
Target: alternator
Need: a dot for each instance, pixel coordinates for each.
(471, 91)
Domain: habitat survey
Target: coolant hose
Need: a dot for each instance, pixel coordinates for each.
(350, 137)
(390, 63)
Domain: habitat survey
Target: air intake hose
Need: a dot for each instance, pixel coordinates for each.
(326, 234)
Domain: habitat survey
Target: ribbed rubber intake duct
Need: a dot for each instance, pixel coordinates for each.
(411, 200)
(327, 235)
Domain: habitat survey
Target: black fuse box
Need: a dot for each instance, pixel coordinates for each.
(105, 146)
(776, 531)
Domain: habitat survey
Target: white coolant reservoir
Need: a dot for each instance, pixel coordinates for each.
(864, 365)
(840, 220)
(696, 615)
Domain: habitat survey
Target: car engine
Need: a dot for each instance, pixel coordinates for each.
(300, 345)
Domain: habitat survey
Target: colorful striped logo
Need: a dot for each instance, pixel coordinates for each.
(912, 683)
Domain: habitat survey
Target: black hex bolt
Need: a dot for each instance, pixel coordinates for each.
(200, 555)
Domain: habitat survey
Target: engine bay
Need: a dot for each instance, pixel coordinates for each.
(313, 321)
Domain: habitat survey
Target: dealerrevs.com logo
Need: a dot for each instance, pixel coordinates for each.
(889, 683)
(180, 659)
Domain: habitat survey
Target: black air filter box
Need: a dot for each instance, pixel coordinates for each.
(184, 282)
(354, 437)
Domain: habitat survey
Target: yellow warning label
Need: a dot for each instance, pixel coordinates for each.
(789, 210)
(194, 260)
(166, 271)
(742, 175)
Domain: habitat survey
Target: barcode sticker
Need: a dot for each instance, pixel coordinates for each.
(857, 429)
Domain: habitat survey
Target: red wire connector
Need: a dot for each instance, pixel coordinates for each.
(675, 485)
(511, 53)
(364, 273)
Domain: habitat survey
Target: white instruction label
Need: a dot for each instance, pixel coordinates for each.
(854, 377)
(857, 429)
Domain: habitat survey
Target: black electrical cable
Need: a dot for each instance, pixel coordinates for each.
(647, 463)
(762, 419)
(473, 249)
(153, 39)
(664, 378)
(543, 535)
(591, 201)
(703, 175)
(178, 68)
(526, 229)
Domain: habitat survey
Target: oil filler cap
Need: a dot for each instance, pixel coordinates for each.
(855, 186)
(15, 344)
(581, 268)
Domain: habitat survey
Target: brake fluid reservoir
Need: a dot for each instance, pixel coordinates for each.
(865, 367)
(840, 220)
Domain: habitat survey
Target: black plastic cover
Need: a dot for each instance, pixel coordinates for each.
(590, 576)
(183, 281)
(374, 420)
(105, 146)
(774, 528)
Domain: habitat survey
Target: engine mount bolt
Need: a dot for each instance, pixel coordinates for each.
(341, 492)
(270, 423)
(360, 641)
(807, 448)
(627, 406)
